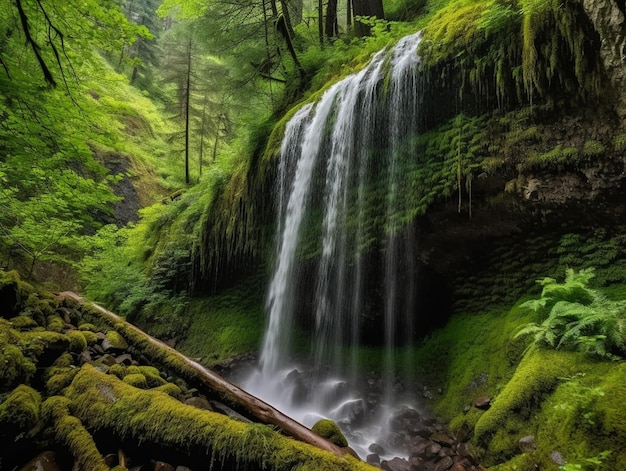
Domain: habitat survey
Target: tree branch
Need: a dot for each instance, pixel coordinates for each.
(34, 46)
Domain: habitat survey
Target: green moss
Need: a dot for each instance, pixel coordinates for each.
(102, 401)
(593, 148)
(225, 325)
(15, 367)
(557, 159)
(20, 411)
(137, 380)
(23, 322)
(170, 389)
(152, 375)
(58, 378)
(13, 293)
(88, 327)
(116, 340)
(55, 324)
(330, 431)
(70, 431)
(619, 142)
(77, 340)
(511, 415)
(90, 337)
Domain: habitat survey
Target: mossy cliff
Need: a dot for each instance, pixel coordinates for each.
(106, 413)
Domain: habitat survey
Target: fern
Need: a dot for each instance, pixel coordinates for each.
(578, 318)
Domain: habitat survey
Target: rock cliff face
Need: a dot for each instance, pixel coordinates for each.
(608, 18)
(562, 176)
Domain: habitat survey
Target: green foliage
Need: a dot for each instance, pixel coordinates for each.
(578, 317)
(587, 464)
(474, 39)
(20, 410)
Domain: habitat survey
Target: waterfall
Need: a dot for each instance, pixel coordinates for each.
(343, 256)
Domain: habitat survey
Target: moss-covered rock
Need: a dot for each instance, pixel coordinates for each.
(20, 411)
(114, 341)
(511, 414)
(329, 430)
(137, 380)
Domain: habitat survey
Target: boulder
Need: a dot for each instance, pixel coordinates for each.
(482, 402)
(396, 464)
(527, 443)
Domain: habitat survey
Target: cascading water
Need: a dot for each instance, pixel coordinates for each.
(339, 246)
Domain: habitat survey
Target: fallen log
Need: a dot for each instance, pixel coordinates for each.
(240, 400)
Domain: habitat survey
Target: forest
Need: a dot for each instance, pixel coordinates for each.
(312, 235)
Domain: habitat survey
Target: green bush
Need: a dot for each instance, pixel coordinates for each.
(578, 317)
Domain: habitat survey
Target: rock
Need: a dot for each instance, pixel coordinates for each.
(465, 450)
(124, 359)
(182, 468)
(373, 459)
(377, 449)
(113, 341)
(527, 443)
(85, 357)
(467, 408)
(557, 457)
(162, 466)
(396, 464)
(464, 433)
(482, 402)
(111, 460)
(442, 438)
(108, 360)
(199, 403)
(463, 465)
(444, 464)
(330, 431)
(432, 450)
(44, 461)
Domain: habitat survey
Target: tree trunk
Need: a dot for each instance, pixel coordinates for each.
(366, 8)
(331, 19)
(240, 400)
(320, 21)
(187, 119)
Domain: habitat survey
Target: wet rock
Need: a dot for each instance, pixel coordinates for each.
(44, 461)
(557, 458)
(377, 449)
(373, 459)
(199, 403)
(482, 402)
(352, 411)
(396, 464)
(442, 438)
(432, 450)
(444, 464)
(527, 443)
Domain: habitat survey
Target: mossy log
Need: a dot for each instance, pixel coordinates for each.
(240, 400)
